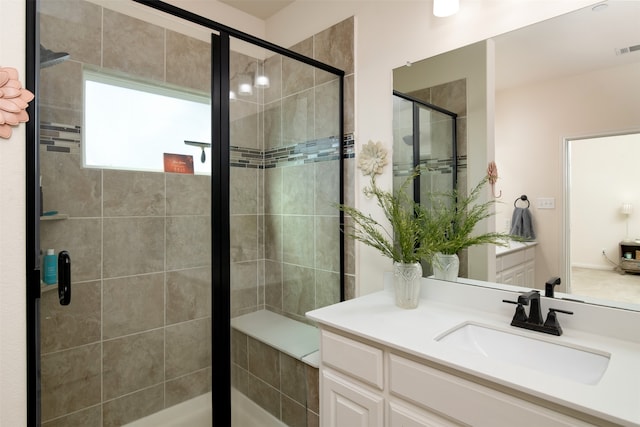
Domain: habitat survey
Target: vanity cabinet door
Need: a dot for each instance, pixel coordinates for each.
(529, 274)
(346, 403)
(517, 268)
(512, 276)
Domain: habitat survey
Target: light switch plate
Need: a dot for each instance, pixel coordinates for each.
(546, 202)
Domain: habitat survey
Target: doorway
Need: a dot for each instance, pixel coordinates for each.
(599, 182)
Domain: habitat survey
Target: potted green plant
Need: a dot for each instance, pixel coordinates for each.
(404, 242)
(450, 223)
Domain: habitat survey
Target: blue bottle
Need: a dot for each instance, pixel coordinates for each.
(50, 268)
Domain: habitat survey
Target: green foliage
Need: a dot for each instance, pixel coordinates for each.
(418, 232)
(404, 243)
(452, 219)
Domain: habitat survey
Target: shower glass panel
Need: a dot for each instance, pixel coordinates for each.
(424, 136)
(285, 150)
(136, 337)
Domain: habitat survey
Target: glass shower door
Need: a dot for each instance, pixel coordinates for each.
(285, 178)
(142, 330)
(133, 213)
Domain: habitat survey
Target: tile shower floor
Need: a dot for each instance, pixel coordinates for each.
(246, 413)
(606, 284)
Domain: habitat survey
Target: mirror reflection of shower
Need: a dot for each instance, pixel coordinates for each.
(49, 58)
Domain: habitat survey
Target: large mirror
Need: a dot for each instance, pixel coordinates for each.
(563, 107)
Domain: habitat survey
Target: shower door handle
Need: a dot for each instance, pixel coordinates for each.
(64, 278)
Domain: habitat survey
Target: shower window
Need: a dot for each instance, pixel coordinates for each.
(144, 122)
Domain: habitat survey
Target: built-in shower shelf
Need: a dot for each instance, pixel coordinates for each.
(46, 288)
(56, 217)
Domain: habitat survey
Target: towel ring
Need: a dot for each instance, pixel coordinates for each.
(524, 199)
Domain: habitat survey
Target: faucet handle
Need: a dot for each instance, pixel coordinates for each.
(520, 314)
(552, 320)
(557, 310)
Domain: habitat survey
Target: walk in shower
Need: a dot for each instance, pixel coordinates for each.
(238, 203)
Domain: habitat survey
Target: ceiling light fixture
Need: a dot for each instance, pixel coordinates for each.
(444, 8)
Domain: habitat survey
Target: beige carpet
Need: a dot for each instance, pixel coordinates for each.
(606, 284)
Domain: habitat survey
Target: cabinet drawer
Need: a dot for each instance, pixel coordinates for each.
(511, 259)
(530, 254)
(465, 401)
(359, 360)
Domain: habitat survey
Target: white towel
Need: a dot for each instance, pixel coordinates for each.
(522, 224)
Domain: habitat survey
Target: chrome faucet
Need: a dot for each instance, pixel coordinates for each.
(533, 321)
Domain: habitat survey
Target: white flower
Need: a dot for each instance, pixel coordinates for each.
(372, 159)
(13, 101)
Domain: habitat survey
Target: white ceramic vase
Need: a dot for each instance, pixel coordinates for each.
(406, 284)
(446, 266)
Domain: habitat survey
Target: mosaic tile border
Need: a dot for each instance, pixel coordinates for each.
(436, 166)
(60, 137)
(67, 139)
(319, 150)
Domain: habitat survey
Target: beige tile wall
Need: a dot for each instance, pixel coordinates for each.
(285, 387)
(139, 325)
(296, 227)
(137, 335)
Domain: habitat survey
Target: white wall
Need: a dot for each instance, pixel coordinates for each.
(12, 239)
(388, 33)
(531, 123)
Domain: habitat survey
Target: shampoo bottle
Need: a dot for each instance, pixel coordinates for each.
(50, 268)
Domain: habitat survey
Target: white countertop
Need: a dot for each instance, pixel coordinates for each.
(375, 317)
(514, 246)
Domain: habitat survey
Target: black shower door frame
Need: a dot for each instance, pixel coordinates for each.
(220, 220)
(416, 105)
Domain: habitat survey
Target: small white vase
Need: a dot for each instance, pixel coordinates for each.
(446, 266)
(406, 284)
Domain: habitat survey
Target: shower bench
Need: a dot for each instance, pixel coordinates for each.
(296, 339)
(275, 363)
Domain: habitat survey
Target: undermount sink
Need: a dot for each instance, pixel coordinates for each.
(578, 364)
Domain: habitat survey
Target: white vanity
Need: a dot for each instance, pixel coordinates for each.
(386, 366)
(516, 264)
